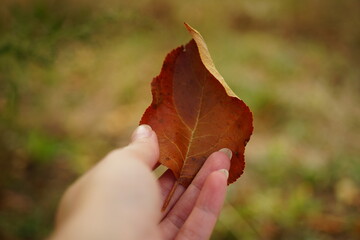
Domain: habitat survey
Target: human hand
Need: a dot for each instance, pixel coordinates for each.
(120, 198)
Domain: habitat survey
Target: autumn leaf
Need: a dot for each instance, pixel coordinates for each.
(194, 113)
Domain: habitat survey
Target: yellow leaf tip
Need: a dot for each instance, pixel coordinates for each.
(189, 28)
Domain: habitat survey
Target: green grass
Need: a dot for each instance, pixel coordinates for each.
(75, 79)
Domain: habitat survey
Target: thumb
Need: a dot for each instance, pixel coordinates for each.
(144, 146)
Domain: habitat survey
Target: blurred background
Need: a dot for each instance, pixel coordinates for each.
(75, 80)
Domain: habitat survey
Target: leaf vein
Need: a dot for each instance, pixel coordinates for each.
(177, 147)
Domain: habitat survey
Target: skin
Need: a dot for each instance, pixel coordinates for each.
(120, 198)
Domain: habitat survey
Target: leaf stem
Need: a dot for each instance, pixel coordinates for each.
(169, 196)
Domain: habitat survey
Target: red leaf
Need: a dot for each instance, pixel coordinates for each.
(195, 113)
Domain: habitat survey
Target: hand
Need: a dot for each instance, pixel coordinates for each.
(120, 198)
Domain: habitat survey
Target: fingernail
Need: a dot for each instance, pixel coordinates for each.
(227, 151)
(142, 131)
(226, 172)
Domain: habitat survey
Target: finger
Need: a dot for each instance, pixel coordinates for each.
(144, 146)
(217, 160)
(207, 208)
(175, 218)
(157, 164)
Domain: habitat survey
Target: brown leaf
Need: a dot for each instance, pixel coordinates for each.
(195, 113)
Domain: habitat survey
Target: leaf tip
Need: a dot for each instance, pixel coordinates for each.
(190, 29)
(187, 26)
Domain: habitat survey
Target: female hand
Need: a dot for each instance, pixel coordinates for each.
(120, 198)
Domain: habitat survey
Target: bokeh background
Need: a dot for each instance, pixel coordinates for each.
(75, 79)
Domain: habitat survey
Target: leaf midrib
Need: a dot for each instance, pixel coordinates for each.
(195, 126)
